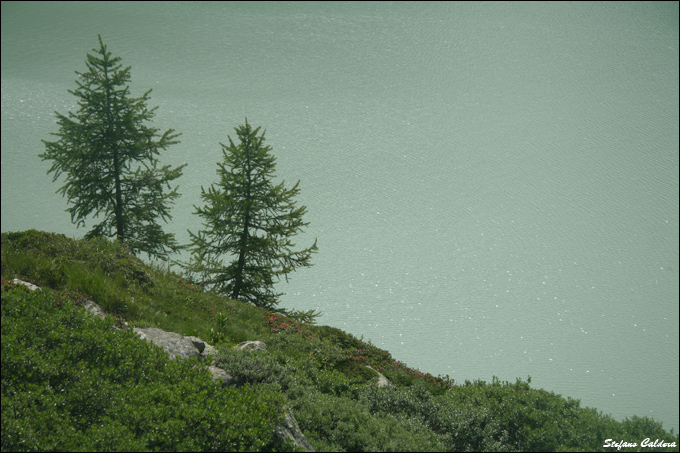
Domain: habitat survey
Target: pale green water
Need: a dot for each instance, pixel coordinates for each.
(494, 187)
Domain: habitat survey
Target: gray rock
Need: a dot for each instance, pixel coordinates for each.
(94, 309)
(209, 351)
(206, 351)
(291, 431)
(382, 380)
(251, 346)
(174, 344)
(227, 379)
(198, 343)
(30, 286)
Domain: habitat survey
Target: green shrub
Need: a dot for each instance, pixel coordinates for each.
(72, 382)
(499, 416)
(250, 366)
(412, 401)
(336, 423)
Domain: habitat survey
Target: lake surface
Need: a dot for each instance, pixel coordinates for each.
(493, 186)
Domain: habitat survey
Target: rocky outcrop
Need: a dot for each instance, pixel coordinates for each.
(251, 346)
(291, 431)
(225, 378)
(203, 347)
(174, 344)
(94, 309)
(28, 285)
(382, 380)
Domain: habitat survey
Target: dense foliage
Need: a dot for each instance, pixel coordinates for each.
(109, 158)
(121, 393)
(249, 222)
(71, 382)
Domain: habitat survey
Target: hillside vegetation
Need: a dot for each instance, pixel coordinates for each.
(72, 382)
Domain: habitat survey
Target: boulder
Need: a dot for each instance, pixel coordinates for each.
(28, 285)
(225, 378)
(198, 344)
(382, 380)
(174, 344)
(94, 309)
(291, 431)
(205, 349)
(251, 346)
(209, 351)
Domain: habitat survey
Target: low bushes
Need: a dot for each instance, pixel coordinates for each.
(72, 382)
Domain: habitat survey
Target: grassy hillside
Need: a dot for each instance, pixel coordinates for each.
(71, 382)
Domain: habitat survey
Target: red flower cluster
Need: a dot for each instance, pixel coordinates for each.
(276, 324)
(187, 285)
(58, 304)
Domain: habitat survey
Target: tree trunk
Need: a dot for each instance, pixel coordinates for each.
(246, 224)
(241, 260)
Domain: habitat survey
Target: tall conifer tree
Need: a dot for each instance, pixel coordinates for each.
(251, 221)
(109, 157)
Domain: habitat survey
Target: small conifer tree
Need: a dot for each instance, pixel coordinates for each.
(249, 220)
(109, 157)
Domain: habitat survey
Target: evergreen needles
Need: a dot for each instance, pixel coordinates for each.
(109, 157)
(250, 219)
